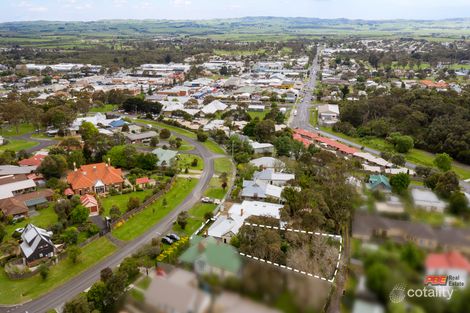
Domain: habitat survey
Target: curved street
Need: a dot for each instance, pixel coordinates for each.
(73, 287)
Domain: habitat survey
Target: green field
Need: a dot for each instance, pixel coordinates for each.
(23, 128)
(17, 291)
(46, 218)
(152, 214)
(105, 108)
(257, 114)
(121, 200)
(18, 145)
(185, 161)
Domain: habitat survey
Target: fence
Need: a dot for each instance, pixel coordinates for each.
(126, 216)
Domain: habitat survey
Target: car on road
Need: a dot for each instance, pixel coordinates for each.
(173, 237)
(167, 240)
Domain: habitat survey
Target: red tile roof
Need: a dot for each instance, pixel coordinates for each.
(35, 160)
(449, 260)
(305, 134)
(88, 175)
(431, 84)
(88, 201)
(142, 180)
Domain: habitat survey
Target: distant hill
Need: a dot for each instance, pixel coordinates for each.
(246, 28)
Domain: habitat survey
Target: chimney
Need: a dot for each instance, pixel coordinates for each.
(74, 166)
(94, 168)
(109, 161)
(241, 212)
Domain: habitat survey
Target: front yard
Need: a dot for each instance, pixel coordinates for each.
(17, 291)
(152, 214)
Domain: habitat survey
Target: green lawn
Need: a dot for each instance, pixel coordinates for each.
(415, 156)
(142, 221)
(121, 200)
(18, 145)
(223, 165)
(11, 130)
(185, 147)
(185, 161)
(313, 117)
(209, 144)
(16, 291)
(46, 218)
(144, 283)
(105, 108)
(196, 219)
(260, 115)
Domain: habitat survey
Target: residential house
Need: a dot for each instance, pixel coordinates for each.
(19, 206)
(391, 206)
(272, 177)
(427, 200)
(259, 190)
(177, 293)
(379, 182)
(90, 202)
(267, 162)
(449, 263)
(369, 227)
(211, 257)
(143, 138)
(97, 178)
(11, 185)
(165, 157)
(213, 107)
(35, 160)
(262, 148)
(227, 225)
(328, 114)
(36, 244)
(144, 182)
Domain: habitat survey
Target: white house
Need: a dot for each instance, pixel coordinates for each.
(261, 148)
(270, 176)
(328, 114)
(268, 162)
(228, 225)
(427, 200)
(214, 107)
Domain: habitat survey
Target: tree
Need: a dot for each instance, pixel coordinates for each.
(378, 275)
(443, 161)
(398, 159)
(88, 131)
(123, 156)
(202, 136)
(53, 166)
(458, 204)
(182, 219)
(79, 215)
(133, 203)
(403, 144)
(130, 267)
(105, 274)
(413, 256)
(114, 212)
(3, 232)
(70, 235)
(223, 180)
(165, 133)
(146, 161)
(283, 145)
(116, 286)
(77, 305)
(44, 271)
(400, 182)
(265, 130)
(73, 254)
(446, 184)
(97, 295)
(75, 158)
(154, 141)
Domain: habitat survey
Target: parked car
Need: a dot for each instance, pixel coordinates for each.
(206, 200)
(173, 237)
(167, 240)
(217, 201)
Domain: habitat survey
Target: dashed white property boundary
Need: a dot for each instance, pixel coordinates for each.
(336, 237)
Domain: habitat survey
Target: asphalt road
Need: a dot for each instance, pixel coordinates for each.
(69, 290)
(41, 143)
(302, 120)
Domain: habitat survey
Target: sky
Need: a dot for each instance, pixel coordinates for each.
(87, 10)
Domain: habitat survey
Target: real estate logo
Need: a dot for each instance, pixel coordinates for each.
(435, 286)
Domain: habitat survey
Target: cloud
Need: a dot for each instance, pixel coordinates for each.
(26, 5)
(181, 3)
(119, 3)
